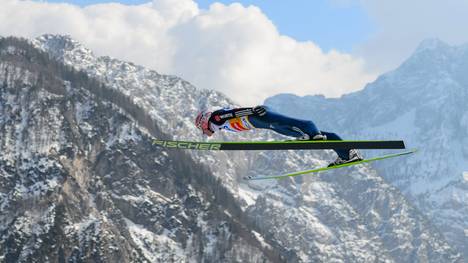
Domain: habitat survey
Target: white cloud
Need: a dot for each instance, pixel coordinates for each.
(233, 49)
(402, 25)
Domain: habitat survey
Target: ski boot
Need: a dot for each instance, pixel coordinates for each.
(317, 137)
(354, 156)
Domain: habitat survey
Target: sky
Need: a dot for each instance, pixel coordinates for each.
(249, 49)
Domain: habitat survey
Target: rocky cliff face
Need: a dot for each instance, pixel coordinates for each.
(81, 181)
(424, 102)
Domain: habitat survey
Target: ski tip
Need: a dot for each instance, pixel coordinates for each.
(413, 150)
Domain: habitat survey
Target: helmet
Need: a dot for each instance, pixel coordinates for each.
(202, 122)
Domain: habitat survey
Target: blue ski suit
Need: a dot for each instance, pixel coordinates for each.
(262, 117)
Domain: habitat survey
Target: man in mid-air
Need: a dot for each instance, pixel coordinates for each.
(261, 117)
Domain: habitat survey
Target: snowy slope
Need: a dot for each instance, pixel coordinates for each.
(424, 102)
(347, 215)
(80, 182)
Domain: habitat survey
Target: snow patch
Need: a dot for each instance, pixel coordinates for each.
(248, 195)
(261, 239)
(155, 248)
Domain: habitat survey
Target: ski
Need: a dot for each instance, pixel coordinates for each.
(280, 145)
(330, 168)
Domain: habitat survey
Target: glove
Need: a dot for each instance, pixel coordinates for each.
(260, 110)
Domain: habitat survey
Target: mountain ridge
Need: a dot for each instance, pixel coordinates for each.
(423, 102)
(353, 215)
(115, 202)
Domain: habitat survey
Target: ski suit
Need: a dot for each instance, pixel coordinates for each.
(262, 117)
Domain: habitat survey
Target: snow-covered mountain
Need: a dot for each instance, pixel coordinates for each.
(424, 102)
(81, 181)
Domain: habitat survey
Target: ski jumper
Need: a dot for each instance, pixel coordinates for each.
(244, 119)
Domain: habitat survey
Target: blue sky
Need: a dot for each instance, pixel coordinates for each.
(329, 25)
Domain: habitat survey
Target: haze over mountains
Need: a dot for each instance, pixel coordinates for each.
(424, 102)
(81, 181)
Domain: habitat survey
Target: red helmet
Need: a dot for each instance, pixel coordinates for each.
(202, 122)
